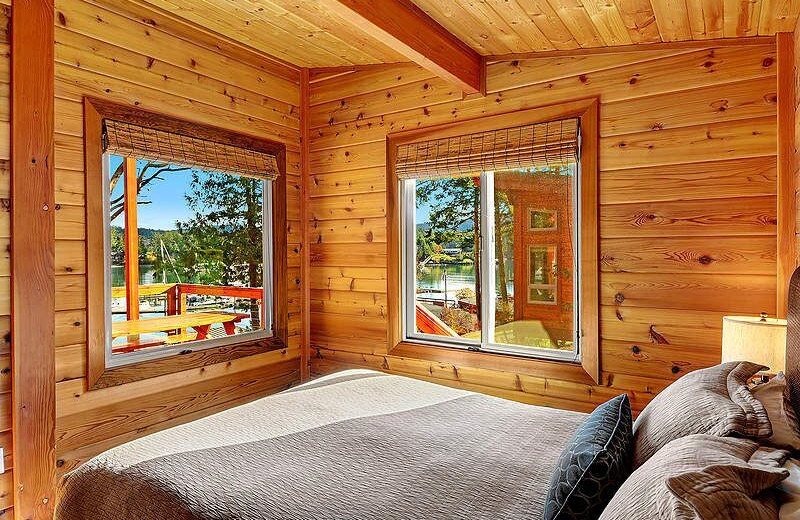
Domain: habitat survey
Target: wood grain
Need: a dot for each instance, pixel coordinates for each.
(33, 258)
(687, 217)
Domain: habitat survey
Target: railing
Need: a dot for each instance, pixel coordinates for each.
(177, 304)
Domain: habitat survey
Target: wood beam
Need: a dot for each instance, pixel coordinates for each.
(305, 258)
(33, 258)
(403, 26)
(787, 206)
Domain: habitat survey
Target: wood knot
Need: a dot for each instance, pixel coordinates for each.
(635, 349)
(619, 298)
(705, 259)
(767, 62)
(582, 78)
(675, 369)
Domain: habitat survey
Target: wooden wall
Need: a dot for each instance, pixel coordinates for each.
(6, 479)
(687, 194)
(150, 60)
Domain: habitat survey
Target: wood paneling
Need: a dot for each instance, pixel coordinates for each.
(787, 200)
(688, 221)
(6, 442)
(32, 262)
(109, 51)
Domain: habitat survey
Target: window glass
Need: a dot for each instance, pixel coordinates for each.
(447, 257)
(187, 251)
(542, 219)
(529, 218)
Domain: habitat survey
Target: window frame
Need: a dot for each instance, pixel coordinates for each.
(587, 368)
(533, 229)
(104, 372)
(553, 287)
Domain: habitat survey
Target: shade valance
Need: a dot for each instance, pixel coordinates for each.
(141, 142)
(539, 145)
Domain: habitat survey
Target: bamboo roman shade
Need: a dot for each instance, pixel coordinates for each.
(141, 142)
(539, 145)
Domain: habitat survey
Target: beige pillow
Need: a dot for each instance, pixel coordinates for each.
(714, 401)
(702, 477)
(774, 395)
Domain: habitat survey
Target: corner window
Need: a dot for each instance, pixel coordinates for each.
(186, 261)
(483, 266)
(189, 256)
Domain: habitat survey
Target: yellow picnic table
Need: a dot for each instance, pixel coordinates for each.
(199, 321)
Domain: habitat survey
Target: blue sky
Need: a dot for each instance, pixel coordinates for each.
(168, 202)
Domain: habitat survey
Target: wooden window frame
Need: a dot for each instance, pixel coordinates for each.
(98, 374)
(588, 371)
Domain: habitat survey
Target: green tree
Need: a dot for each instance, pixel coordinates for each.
(455, 205)
(225, 234)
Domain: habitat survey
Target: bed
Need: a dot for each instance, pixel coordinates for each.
(356, 441)
(363, 444)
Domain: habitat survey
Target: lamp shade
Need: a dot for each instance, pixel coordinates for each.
(759, 340)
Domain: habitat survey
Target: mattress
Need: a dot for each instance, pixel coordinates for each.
(356, 444)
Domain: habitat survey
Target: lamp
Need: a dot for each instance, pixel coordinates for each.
(760, 340)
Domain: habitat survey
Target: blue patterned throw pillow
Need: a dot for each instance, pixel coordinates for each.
(593, 465)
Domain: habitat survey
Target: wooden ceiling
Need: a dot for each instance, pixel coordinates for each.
(312, 33)
(497, 27)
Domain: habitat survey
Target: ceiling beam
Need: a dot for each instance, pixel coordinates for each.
(404, 27)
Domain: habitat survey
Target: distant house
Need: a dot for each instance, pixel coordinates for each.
(452, 251)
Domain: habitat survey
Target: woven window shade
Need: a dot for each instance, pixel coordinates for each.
(539, 145)
(132, 140)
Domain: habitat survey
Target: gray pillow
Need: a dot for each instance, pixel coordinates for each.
(703, 477)
(714, 401)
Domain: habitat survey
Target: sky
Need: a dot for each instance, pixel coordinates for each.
(168, 203)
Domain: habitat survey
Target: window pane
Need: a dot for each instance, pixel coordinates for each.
(198, 271)
(447, 261)
(534, 258)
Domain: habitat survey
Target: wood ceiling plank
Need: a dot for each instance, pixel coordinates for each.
(606, 17)
(501, 18)
(326, 21)
(458, 22)
(640, 20)
(546, 19)
(705, 18)
(741, 18)
(235, 23)
(672, 18)
(578, 22)
(417, 36)
(301, 27)
(778, 16)
(521, 23)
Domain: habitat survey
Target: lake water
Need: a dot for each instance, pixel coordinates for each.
(147, 275)
(458, 277)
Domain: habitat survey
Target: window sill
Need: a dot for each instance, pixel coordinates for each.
(561, 370)
(180, 362)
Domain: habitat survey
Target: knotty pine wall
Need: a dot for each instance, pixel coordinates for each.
(687, 194)
(119, 52)
(6, 478)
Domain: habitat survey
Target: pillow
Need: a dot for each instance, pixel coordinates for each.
(714, 401)
(703, 477)
(774, 396)
(594, 464)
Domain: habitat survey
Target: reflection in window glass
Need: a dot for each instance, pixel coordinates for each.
(534, 259)
(448, 257)
(187, 251)
(542, 274)
(530, 216)
(542, 219)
